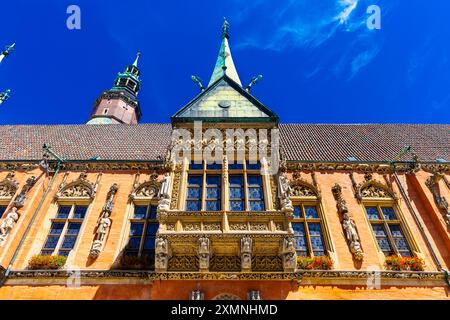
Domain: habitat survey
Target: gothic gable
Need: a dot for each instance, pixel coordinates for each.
(222, 101)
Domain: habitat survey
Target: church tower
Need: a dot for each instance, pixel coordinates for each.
(120, 103)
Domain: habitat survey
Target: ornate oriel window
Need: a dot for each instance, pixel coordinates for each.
(143, 228)
(205, 190)
(388, 230)
(309, 239)
(64, 230)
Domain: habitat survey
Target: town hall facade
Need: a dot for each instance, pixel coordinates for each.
(224, 202)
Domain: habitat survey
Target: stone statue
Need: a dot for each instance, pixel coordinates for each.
(103, 226)
(8, 223)
(164, 191)
(103, 223)
(284, 193)
(349, 226)
(162, 254)
(289, 254)
(196, 295)
(246, 253)
(254, 295)
(204, 253)
(352, 237)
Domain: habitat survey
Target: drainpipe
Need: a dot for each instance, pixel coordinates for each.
(22, 240)
(418, 222)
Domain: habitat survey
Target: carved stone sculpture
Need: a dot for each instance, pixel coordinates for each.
(196, 295)
(19, 202)
(289, 254)
(104, 223)
(8, 224)
(246, 253)
(254, 295)
(204, 253)
(349, 226)
(284, 193)
(166, 183)
(8, 187)
(162, 254)
(433, 184)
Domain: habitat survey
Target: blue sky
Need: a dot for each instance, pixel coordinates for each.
(320, 62)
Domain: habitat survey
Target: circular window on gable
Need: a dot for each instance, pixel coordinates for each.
(224, 104)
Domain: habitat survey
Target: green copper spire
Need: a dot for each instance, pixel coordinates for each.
(224, 63)
(129, 79)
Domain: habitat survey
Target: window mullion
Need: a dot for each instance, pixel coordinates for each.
(203, 191)
(62, 236)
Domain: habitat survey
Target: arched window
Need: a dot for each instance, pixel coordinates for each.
(72, 205)
(308, 230)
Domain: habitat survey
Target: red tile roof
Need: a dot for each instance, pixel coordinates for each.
(308, 142)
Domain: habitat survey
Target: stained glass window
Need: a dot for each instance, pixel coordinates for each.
(308, 231)
(213, 193)
(400, 240)
(236, 193)
(245, 187)
(143, 229)
(194, 193)
(67, 223)
(79, 212)
(300, 239)
(255, 193)
(388, 231)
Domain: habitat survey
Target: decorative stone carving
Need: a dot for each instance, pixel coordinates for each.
(349, 226)
(204, 253)
(9, 186)
(238, 226)
(162, 254)
(254, 295)
(433, 184)
(8, 224)
(288, 254)
(196, 295)
(302, 188)
(104, 223)
(19, 202)
(148, 189)
(79, 188)
(371, 188)
(225, 263)
(164, 193)
(284, 194)
(246, 253)
(176, 184)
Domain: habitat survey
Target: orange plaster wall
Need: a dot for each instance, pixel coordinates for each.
(179, 290)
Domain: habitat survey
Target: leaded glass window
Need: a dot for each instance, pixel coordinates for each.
(213, 193)
(255, 193)
(308, 233)
(387, 229)
(194, 193)
(245, 187)
(237, 193)
(143, 229)
(64, 230)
